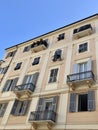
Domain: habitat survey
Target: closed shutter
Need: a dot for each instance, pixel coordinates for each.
(24, 107)
(35, 77)
(75, 68)
(6, 86)
(54, 103)
(14, 107)
(13, 84)
(89, 68)
(72, 106)
(40, 104)
(89, 65)
(3, 108)
(74, 71)
(91, 101)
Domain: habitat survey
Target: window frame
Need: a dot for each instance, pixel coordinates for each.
(56, 68)
(77, 101)
(74, 101)
(18, 66)
(61, 37)
(84, 51)
(10, 54)
(36, 61)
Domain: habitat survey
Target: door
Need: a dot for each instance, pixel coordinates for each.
(82, 70)
(48, 109)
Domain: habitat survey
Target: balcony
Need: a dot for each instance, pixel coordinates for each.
(47, 118)
(80, 78)
(24, 90)
(39, 46)
(82, 31)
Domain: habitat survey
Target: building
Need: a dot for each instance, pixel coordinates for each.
(51, 82)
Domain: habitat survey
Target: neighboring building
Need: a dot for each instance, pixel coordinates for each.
(51, 82)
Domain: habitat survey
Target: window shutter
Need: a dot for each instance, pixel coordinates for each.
(5, 70)
(72, 106)
(13, 84)
(25, 79)
(14, 107)
(54, 103)
(91, 101)
(74, 71)
(89, 65)
(75, 68)
(40, 104)
(6, 86)
(24, 107)
(3, 108)
(35, 77)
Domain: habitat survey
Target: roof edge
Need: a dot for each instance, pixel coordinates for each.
(53, 31)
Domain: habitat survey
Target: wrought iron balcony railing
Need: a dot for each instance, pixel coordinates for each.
(26, 87)
(80, 76)
(42, 115)
(82, 28)
(39, 43)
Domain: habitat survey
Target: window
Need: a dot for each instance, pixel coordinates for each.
(61, 36)
(82, 68)
(18, 66)
(82, 28)
(20, 107)
(27, 48)
(47, 104)
(2, 109)
(53, 75)
(83, 47)
(82, 102)
(36, 61)
(3, 70)
(57, 55)
(10, 85)
(11, 54)
(31, 79)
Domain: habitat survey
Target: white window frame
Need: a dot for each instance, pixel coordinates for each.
(56, 67)
(88, 49)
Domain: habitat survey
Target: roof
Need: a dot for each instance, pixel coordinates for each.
(54, 30)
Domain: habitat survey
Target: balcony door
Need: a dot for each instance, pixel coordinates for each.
(48, 106)
(82, 70)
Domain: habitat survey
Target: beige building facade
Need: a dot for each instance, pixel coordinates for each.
(51, 82)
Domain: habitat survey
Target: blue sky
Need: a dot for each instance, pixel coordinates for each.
(21, 20)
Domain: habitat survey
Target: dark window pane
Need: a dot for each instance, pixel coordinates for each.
(83, 102)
